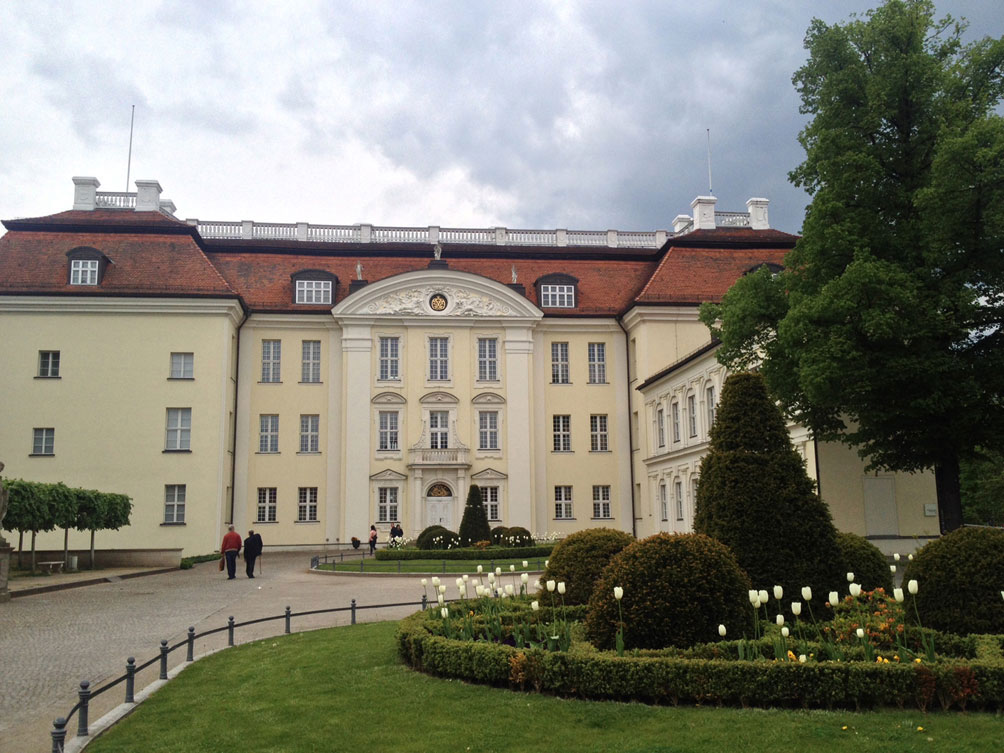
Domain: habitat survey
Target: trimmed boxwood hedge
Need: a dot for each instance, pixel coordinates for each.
(478, 555)
(579, 559)
(865, 560)
(583, 672)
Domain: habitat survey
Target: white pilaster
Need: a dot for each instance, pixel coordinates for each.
(357, 346)
(519, 417)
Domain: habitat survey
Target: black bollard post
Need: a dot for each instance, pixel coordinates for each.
(191, 644)
(130, 680)
(58, 735)
(287, 620)
(353, 611)
(85, 696)
(163, 660)
(230, 631)
(425, 602)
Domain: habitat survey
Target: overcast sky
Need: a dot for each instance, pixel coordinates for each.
(584, 115)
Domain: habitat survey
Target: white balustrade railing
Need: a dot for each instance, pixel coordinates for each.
(587, 237)
(400, 235)
(333, 233)
(220, 230)
(732, 219)
(274, 231)
(532, 237)
(451, 456)
(466, 235)
(115, 200)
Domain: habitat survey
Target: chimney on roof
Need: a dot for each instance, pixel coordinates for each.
(681, 222)
(704, 212)
(148, 196)
(167, 207)
(758, 213)
(85, 193)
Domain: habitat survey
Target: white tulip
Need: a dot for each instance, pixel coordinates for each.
(561, 588)
(896, 556)
(756, 604)
(444, 612)
(892, 568)
(779, 619)
(546, 562)
(498, 570)
(860, 632)
(491, 577)
(855, 589)
(509, 589)
(834, 598)
(479, 569)
(778, 593)
(550, 586)
(910, 557)
(850, 577)
(442, 589)
(535, 605)
(525, 564)
(802, 659)
(441, 600)
(1002, 594)
(425, 582)
(721, 630)
(762, 596)
(512, 568)
(435, 581)
(796, 608)
(524, 577)
(753, 596)
(499, 592)
(897, 594)
(806, 593)
(912, 587)
(619, 593)
(460, 582)
(784, 631)
(466, 578)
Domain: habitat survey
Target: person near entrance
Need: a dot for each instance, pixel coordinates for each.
(231, 547)
(396, 532)
(373, 539)
(252, 551)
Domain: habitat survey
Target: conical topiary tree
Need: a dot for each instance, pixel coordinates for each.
(756, 498)
(474, 526)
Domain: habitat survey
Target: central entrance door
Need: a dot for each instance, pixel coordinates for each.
(439, 506)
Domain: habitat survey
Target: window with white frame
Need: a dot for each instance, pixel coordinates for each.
(48, 364)
(311, 371)
(268, 433)
(562, 426)
(601, 501)
(663, 501)
(174, 503)
(557, 296)
(313, 291)
(660, 427)
(439, 359)
(182, 365)
(271, 354)
(306, 511)
(488, 362)
(389, 358)
(387, 430)
(597, 363)
(692, 414)
(179, 429)
(709, 397)
(598, 441)
(678, 491)
(439, 429)
(84, 272)
(490, 499)
(559, 363)
(267, 504)
(310, 432)
(43, 441)
(693, 491)
(387, 504)
(488, 430)
(675, 409)
(562, 502)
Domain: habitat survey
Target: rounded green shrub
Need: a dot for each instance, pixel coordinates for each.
(866, 561)
(424, 540)
(959, 577)
(518, 536)
(579, 558)
(499, 534)
(677, 590)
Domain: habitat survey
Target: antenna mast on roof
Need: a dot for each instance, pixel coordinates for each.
(710, 189)
(132, 118)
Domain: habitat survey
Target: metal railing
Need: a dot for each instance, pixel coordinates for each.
(85, 694)
(394, 566)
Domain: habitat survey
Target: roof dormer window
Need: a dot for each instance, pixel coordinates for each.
(557, 291)
(87, 265)
(313, 286)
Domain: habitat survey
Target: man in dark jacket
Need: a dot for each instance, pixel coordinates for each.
(252, 550)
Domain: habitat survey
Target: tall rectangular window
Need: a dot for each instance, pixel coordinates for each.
(267, 503)
(678, 490)
(310, 432)
(174, 503)
(313, 291)
(597, 363)
(179, 429)
(693, 491)
(439, 429)
(559, 363)
(557, 296)
(692, 414)
(387, 504)
(488, 364)
(488, 430)
(306, 511)
(676, 421)
(601, 501)
(311, 361)
(48, 364)
(389, 358)
(268, 433)
(562, 433)
(598, 433)
(562, 502)
(271, 353)
(664, 503)
(387, 435)
(660, 427)
(84, 272)
(439, 359)
(182, 365)
(43, 441)
(709, 398)
(490, 499)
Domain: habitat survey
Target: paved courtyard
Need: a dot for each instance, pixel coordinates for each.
(50, 642)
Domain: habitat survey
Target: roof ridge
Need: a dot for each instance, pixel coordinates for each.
(655, 273)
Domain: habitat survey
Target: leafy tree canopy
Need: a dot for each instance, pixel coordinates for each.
(883, 331)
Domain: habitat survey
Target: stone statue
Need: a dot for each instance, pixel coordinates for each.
(359, 271)
(513, 274)
(437, 251)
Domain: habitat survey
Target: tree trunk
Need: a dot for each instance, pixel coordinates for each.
(33, 551)
(946, 481)
(20, 550)
(66, 548)
(92, 532)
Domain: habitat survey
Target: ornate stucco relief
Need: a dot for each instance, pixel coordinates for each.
(460, 302)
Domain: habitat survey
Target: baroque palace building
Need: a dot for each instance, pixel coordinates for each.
(309, 380)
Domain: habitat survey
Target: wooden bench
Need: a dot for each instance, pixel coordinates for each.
(56, 566)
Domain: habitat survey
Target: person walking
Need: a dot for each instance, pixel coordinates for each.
(373, 539)
(231, 547)
(252, 550)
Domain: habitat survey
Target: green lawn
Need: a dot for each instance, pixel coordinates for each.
(345, 689)
(433, 566)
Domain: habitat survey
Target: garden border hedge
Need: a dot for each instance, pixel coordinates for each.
(586, 673)
(468, 553)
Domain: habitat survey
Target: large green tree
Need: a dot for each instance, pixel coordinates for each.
(884, 329)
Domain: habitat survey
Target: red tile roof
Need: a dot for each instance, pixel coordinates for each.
(111, 218)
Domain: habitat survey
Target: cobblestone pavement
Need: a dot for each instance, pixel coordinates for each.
(50, 642)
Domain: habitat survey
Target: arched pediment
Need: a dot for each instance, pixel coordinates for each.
(389, 398)
(440, 398)
(436, 293)
(488, 398)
